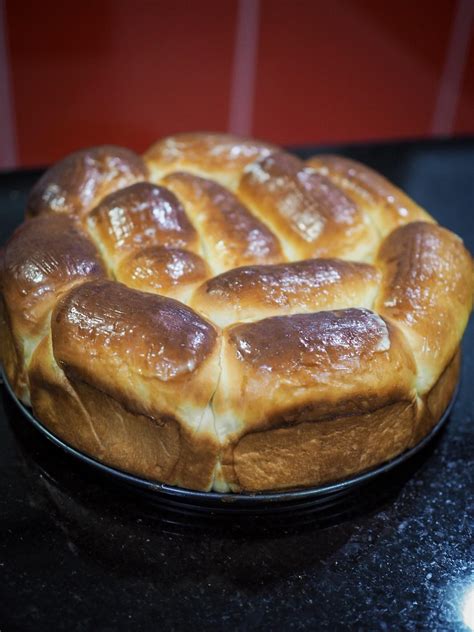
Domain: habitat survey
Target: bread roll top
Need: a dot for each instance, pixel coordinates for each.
(140, 216)
(44, 258)
(427, 283)
(291, 369)
(386, 204)
(230, 234)
(310, 216)
(151, 335)
(221, 157)
(254, 292)
(169, 271)
(75, 184)
(139, 348)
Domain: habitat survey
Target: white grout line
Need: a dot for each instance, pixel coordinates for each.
(244, 68)
(8, 146)
(451, 80)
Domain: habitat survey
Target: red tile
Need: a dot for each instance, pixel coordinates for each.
(117, 71)
(465, 114)
(349, 70)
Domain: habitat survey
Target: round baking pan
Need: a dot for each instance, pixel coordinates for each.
(326, 497)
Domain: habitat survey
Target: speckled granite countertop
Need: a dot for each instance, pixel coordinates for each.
(77, 554)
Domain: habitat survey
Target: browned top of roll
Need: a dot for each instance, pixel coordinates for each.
(45, 256)
(170, 271)
(387, 204)
(139, 216)
(311, 216)
(302, 342)
(252, 292)
(76, 183)
(231, 234)
(312, 366)
(106, 331)
(427, 289)
(219, 156)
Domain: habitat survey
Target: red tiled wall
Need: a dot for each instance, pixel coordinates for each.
(129, 71)
(465, 112)
(349, 70)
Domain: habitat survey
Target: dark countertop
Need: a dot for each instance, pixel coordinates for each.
(79, 554)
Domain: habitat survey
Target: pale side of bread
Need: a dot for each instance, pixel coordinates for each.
(221, 315)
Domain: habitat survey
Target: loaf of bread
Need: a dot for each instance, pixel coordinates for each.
(220, 315)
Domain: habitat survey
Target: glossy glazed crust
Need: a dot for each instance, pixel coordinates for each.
(254, 292)
(231, 235)
(140, 346)
(137, 217)
(427, 290)
(310, 454)
(173, 272)
(327, 343)
(221, 157)
(44, 258)
(289, 369)
(75, 184)
(386, 204)
(311, 216)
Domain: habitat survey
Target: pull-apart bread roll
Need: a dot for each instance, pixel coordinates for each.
(317, 395)
(75, 184)
(44, 258)
(220, 157)
(222, 315)
(134, 374)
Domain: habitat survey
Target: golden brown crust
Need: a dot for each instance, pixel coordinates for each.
(313, 398)
(433, 404)
(125, 350)
(231, 235)
(168, 271)
(221, 157)
(140, 216)
(254, 292)
(45, 257)
(386, 204)
(330, 366)
(427, 290)
(314, 453)
(156, 447)
(75, 184)
(311, 216)
(104, 331)
(308, 367)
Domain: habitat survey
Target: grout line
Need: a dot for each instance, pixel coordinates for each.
(244, 68)
(455, 61)
(8, 141)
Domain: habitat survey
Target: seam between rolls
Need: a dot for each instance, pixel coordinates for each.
(109, 269)
(76, 395)
(260, 217)
(46, 329)
(211, 407)
(380, 238)
(205, 251)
